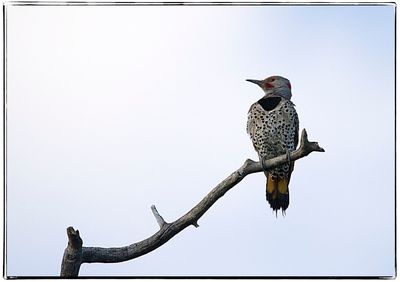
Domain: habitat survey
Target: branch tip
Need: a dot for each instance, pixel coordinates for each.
(70, 231)
(74, 239)
(306, 146)
(304, 138)
(304, 135)
(317, 147)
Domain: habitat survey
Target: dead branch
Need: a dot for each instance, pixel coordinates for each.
(75, 254)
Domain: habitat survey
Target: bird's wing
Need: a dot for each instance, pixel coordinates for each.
(252, 125)
(250, 121)
(296, 128)
(296, 138)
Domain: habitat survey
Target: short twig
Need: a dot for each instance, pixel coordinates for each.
(161, 222)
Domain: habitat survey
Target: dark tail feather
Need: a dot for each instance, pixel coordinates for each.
(277, 193)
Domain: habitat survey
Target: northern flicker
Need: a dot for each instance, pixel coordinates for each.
(273, 127)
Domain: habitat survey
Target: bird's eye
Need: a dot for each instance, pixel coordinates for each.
(272, 80)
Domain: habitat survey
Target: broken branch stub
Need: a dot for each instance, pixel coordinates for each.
(72, 258)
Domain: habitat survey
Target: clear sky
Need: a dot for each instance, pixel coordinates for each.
(113, 109)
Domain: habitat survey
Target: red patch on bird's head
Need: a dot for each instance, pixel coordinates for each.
(289, 85)
(268, 85)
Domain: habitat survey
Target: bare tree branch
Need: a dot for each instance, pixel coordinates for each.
(75, 254)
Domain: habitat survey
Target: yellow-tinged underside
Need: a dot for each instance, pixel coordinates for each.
(281, 184)
(271, 184)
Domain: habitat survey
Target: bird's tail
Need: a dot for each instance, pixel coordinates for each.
(277, 192)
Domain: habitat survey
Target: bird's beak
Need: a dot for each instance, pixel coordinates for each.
(258, 82)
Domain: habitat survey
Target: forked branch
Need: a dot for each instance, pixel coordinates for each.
(75, 254)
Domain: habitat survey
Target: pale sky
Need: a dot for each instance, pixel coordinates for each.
(112, 109)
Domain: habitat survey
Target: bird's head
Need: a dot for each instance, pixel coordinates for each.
(277, 85)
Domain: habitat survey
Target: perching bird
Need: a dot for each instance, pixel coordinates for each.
(273, 126)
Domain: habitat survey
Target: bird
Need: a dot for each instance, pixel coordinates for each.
(273, 126)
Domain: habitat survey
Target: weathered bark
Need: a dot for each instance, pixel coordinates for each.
(75, 254)
(72, 258)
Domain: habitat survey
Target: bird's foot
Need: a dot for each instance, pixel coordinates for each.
(264, 166)
(288, 155)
